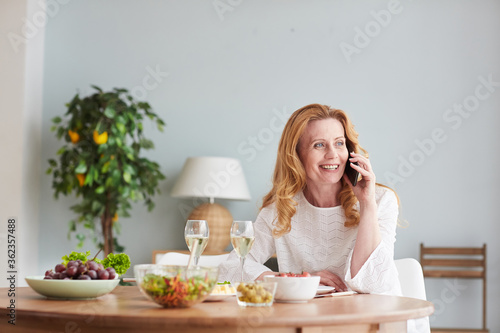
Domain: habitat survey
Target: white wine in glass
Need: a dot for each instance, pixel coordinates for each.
(242, 238)
(196, 235)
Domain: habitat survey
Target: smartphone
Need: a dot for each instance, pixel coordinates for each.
(352, 174)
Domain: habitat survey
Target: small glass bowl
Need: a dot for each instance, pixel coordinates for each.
(255, 293)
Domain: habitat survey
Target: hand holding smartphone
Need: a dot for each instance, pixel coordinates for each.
(352, 174)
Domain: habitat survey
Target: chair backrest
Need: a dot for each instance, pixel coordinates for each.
(411, 278)
(176, 258)
(456, 262)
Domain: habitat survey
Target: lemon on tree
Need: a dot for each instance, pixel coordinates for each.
(101, 163)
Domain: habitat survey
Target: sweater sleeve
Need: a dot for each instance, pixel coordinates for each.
(379, 275)
(262, 249)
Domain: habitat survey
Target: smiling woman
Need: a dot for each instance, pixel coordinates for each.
(316, 219)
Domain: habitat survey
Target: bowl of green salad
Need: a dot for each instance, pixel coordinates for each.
(175, 286)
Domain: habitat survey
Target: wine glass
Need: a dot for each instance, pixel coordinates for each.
(242, 238)
(196, 236)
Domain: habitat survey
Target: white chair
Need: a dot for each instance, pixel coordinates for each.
(411, 278)
(176, 258)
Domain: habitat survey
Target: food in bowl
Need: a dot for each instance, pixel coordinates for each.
(255, 293)
(176, 286)
(76, 266)
(294, 289)
(224, 289)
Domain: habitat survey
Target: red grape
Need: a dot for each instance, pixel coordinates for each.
(103, 274)
(112, 273)
(92, 274)
(60, 268)
(72, 271)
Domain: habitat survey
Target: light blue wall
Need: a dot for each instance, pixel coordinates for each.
(236, 76)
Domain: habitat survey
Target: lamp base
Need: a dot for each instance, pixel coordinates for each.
(219, 221)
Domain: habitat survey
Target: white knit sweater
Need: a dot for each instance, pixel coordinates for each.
(320, 241)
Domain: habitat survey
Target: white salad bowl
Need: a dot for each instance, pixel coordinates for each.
(294, 289)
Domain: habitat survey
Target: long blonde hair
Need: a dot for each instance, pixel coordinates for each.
(289, 175)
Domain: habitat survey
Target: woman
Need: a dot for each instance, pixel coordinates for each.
(315, 220)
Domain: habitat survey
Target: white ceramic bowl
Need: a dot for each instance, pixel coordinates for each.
(71, 289)
(294, 289)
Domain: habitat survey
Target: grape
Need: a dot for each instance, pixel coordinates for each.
(72, 263)
(92, 265)
(77, 270)
(92, 274)
(103, 274)
(112, 273)
(82, 269)
(60, 268)
(72, 271)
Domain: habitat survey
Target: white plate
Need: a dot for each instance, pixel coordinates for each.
(71, 289)
(218, 297)
(221, 294)
(324, 290)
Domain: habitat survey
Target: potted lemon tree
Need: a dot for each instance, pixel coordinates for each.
(100, 162)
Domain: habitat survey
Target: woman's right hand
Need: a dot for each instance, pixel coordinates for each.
(331, 279)
(261, 277)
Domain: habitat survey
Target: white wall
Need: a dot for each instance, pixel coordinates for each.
(226, 79)
(21, 109)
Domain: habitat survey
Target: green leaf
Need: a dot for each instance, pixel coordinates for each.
(127, 177)
(96, 206)
(121, 128)
(56, 120)
(129, 169)
(72, 225)
(105, 167)
(109, 112)
(61, 150)
(100, 189)
(82, 167)
(96, 88)
(89, 179)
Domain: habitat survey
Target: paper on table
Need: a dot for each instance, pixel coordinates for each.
(340, 293)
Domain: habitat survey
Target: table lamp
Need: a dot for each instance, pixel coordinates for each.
(211, 178)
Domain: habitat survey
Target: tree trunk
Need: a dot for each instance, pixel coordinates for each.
(107, 231)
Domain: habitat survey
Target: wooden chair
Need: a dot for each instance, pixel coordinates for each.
(456, 262)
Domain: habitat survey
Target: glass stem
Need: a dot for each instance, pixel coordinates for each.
(242, 260)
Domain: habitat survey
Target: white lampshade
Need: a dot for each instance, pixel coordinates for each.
(212, 177)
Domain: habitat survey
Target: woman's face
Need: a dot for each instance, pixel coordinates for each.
(323, 151)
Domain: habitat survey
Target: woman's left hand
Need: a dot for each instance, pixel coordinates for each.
(365, 188)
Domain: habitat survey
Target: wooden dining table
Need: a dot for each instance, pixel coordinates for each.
(126, 309)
